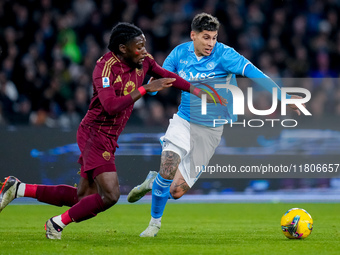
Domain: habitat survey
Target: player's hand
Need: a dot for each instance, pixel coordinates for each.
(294, 107)
(216, 99)
(158, 84)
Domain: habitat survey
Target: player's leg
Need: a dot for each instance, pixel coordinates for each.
(161, 186)
(179, 186)
(86, 187)
(203, 142)
(92, 204)
(107, 185)
(161, 191)
(177, 189)
(55, 225)
(175, 146)
(58, 195)
(180, 143)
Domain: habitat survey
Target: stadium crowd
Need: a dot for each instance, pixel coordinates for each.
(49, 49)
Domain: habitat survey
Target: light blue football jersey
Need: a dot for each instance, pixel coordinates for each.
(220, 67)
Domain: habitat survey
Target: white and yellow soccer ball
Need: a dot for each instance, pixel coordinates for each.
(296, 223)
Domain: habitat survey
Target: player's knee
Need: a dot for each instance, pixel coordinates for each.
(176, 193)
(81, 194)
(110, 198)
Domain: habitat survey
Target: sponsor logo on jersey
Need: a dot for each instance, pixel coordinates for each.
(129, 87)
(201, 76)
(182, 74)
(106, 82)
(119, 79)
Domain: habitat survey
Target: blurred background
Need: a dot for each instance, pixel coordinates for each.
(49, 49)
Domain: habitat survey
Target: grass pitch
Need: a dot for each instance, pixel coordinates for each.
(187, 229)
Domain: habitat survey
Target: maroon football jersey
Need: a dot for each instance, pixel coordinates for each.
(113, 81)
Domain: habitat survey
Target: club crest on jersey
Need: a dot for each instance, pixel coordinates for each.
(106, 82)
(210, 65)
(106, 155)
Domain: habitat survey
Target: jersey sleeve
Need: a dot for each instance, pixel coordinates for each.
(157, 71)
(263, 80)
(233, 62)
(103, 83)
(170, 62)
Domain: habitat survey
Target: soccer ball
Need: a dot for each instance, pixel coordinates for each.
(296, 223)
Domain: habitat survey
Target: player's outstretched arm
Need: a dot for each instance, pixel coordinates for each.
(113, 104)
(157, 71)
(153, 86)
(198, 92)
(159, 84)
(266, 82)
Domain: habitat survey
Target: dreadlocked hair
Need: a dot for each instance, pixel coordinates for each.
(122, 33)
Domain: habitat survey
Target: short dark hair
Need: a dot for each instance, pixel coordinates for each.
(204, 21)
(122, 33)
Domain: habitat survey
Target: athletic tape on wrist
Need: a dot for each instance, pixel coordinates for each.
(142, 90)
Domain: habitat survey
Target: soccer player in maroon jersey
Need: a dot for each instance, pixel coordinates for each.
(117, 83)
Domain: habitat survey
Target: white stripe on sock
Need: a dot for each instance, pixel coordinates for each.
(162, 184)
(57, 220)
(21, 190)
(162, 181)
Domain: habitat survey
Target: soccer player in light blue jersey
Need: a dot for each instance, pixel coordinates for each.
(191, 138)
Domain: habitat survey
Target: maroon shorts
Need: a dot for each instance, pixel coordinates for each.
(97, 152)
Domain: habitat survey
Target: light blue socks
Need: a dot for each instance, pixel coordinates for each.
(160, 195)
